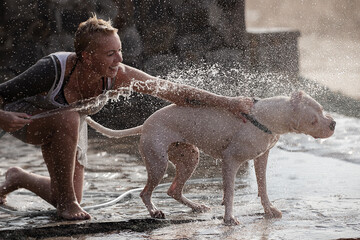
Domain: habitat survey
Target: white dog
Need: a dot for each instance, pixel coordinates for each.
(174, 133)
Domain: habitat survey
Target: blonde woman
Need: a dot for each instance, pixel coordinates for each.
(63, 78)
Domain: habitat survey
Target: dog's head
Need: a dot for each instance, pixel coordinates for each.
(309, 117)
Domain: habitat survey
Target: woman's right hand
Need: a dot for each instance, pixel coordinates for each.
(12, 121)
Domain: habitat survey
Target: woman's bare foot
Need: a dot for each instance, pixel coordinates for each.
(11, 182)
(72, 211)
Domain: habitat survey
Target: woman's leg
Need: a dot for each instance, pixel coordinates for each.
(16, 178)
(58, 137)
(40, 185)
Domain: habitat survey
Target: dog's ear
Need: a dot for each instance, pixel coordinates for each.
(296, 98)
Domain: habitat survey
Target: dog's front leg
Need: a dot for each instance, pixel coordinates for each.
(230, 168)
(260, 170)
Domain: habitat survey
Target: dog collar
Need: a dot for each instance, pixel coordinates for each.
(255, 122)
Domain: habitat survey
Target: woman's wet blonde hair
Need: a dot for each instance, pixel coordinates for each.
(85, 34)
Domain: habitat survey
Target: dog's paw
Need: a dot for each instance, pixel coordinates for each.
(231, 221)
(200, 208)
(157, 214)
(272, 212)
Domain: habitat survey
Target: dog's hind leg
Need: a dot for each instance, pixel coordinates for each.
(154, 154)
(185, 158)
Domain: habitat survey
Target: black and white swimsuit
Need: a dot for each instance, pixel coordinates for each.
(41, 87)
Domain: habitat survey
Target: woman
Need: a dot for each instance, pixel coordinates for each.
(64, 78)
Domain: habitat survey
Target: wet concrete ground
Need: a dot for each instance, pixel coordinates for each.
(323, 204)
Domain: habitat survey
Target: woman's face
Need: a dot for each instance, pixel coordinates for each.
(105, 55)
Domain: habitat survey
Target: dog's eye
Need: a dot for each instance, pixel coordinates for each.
(314, 121)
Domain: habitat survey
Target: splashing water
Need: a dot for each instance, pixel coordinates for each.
(84, 105)
(111, 95)
(239, 81)
(232, 81)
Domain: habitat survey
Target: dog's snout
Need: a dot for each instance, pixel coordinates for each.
(332, 125)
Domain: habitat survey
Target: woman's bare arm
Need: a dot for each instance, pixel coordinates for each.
(179, 94)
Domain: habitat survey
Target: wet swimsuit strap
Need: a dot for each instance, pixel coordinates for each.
(255, 122)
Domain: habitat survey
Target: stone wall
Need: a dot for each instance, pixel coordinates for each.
(179, 30)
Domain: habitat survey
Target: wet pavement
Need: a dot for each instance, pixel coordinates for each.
(319, 197)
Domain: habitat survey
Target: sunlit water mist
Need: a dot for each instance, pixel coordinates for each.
(232, 81)
(239, 81)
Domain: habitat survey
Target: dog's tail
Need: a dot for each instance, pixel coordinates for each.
(113, 133)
